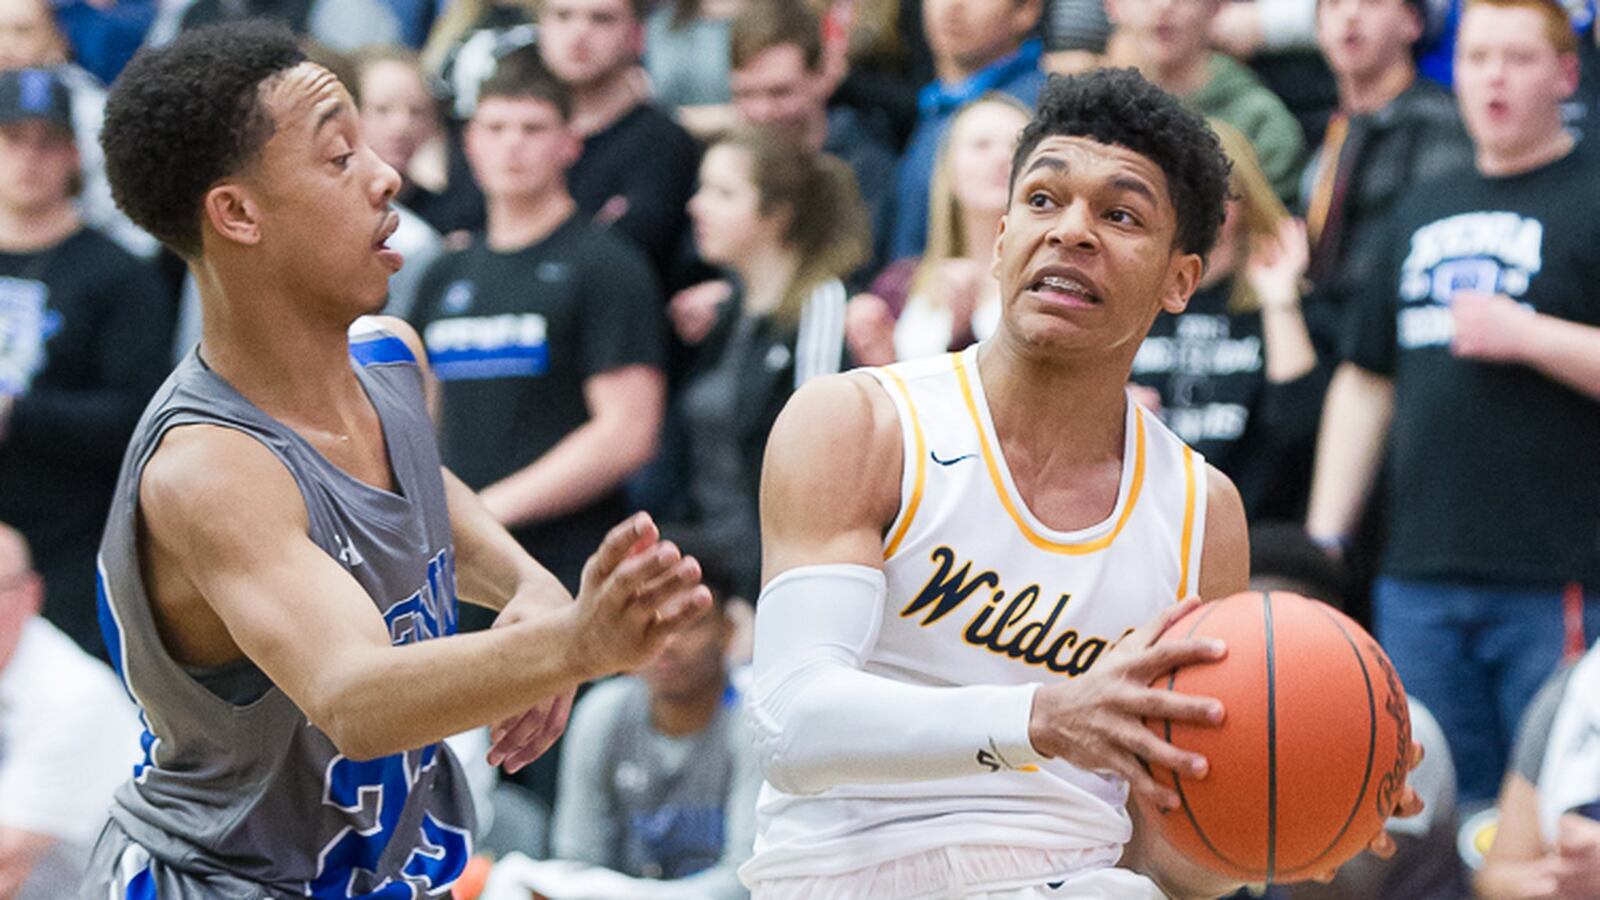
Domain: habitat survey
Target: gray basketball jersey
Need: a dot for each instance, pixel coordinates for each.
(241, 796)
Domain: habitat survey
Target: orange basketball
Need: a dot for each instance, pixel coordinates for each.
(1312, 754)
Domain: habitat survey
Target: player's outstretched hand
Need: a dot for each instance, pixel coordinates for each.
(1096, 721)
(636, 590)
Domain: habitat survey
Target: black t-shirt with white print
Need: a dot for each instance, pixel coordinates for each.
(1495, 469)
(512, 337)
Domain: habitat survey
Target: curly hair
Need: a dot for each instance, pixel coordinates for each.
(183, 117)
(1118, 106)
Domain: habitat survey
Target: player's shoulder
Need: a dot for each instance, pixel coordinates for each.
(201, 476)
(837, 441)
(840, 410)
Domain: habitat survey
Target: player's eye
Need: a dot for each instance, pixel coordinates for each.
(1122, 217)
(1039, 200)
(343, 160)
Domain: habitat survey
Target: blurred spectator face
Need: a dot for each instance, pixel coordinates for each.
(1167, 33)
(28, 35)
(21, 591)
(974, 33)
(1363, 38)
(38, 163)
(691, 662)
(519, 147)
(776, 90)
(1510, 78)
(981, 143)
(726, 209)
(585, 42)
(397, 113)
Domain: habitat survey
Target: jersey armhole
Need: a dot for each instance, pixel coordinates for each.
(914, 469)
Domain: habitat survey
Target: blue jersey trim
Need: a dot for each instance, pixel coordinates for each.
(142, 887)
(376, 351)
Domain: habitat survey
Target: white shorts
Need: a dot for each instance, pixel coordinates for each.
(967, 873)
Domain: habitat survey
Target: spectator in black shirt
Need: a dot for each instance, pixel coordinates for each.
(546, 334)
(1236, 376)
(637, 168)
(84, 336)
(1473, 368)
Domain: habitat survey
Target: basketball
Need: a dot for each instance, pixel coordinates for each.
(1312, 755)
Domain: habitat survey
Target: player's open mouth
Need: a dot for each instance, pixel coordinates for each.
(1065, 288)
(380, 243)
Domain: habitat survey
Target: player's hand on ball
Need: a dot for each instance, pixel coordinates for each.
(1096, 721)
(635, 591)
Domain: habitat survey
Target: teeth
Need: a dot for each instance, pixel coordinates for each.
(1059, 283)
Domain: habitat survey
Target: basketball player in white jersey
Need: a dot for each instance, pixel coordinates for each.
(969, 557)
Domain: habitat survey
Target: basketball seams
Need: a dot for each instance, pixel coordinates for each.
(1177, 780)
(1372, 741)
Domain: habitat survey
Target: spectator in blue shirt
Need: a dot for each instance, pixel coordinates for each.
(978, 46)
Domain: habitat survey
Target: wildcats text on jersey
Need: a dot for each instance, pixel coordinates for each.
(1008, 628)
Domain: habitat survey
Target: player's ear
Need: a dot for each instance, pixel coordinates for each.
(232, 212)
(999, 241)
(1183, 276)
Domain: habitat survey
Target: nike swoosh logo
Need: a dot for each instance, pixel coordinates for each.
(934, 454)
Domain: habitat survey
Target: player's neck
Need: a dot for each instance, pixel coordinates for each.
(683, 716)
(1034, 402)
(268, 349)
(516, 222)
(28, 230)
(598, 106)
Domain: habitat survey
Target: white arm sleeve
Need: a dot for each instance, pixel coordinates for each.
(820, 721)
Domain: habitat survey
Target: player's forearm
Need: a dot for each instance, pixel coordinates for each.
(1568, 352)
(819, 721)
(450, 684)
(1355, 425)
(491, 567)
(584, 466)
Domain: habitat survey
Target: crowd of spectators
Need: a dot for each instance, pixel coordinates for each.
(633, 228)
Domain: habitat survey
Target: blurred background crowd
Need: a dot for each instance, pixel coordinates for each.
(634, 227)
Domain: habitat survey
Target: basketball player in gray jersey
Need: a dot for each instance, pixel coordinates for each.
(280, 569)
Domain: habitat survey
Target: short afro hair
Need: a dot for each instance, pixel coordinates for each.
(1118, 106)
(183, 117)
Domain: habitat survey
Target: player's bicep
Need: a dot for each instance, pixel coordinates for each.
(1225, 558)
(223, 510)
(830, 483)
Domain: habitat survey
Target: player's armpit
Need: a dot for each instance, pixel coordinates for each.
(1225, 557)
(830, 483)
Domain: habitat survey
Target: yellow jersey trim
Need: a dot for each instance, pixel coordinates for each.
(921, 446)
(992, 461)
(1187, 540)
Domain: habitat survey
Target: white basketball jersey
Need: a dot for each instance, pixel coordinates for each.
(981, 592)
